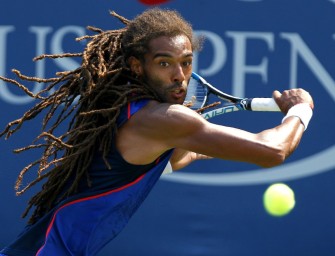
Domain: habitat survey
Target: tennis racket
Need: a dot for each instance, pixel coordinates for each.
(198, 93)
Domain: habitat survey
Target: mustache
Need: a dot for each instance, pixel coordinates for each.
(177, 86)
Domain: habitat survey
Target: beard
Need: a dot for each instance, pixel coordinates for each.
(174, 93)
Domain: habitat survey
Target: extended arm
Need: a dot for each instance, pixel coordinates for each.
(267, 148)
(161, 126)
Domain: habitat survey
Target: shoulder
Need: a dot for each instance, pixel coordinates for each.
(169, 121)
(158, 126)
(169, 114)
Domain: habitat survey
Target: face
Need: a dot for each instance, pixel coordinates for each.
(167, 67)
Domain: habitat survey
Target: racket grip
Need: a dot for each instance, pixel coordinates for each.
(264, 104)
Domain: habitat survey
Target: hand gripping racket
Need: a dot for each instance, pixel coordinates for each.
(198, 93)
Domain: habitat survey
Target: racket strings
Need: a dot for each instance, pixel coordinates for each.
(191, 104)
(197, 97)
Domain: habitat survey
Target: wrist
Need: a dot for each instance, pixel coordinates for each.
(303, 111)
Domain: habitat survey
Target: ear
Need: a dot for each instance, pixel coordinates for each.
(135, 66)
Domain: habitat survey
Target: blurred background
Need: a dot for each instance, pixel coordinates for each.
(213, 207)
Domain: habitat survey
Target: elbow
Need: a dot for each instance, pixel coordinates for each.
(272, 158)
(273, 161)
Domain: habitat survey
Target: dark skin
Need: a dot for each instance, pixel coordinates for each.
(161, 126)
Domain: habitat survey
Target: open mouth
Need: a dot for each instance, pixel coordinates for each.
(178, 93)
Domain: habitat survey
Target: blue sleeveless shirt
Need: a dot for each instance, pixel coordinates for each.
(84, 223)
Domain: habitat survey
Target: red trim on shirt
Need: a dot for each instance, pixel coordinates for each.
(129, 112)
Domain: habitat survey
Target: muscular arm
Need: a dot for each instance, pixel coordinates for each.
(263, 149)
(159, 127)
(267, 148)
(270, 147)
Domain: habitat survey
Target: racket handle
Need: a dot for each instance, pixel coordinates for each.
(264, 104)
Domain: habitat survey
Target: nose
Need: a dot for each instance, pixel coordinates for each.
(178, 74)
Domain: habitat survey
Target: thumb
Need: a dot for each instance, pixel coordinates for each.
(276, 95)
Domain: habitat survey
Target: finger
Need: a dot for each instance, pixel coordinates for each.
(276, 95)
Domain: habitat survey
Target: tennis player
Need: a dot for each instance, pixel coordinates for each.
(129, 126)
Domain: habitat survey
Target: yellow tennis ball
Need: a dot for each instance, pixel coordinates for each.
(278, 199)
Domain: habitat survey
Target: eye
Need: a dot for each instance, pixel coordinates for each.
(187, 63)
(163, 63)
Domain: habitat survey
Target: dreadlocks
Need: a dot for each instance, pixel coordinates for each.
(89, 99)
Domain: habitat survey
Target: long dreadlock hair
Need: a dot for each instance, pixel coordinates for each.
(89, 99)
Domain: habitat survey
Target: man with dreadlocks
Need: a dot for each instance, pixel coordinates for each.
(126, 124)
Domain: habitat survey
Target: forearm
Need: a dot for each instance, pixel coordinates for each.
(285, 138)
(280, 142)
(295, 136)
